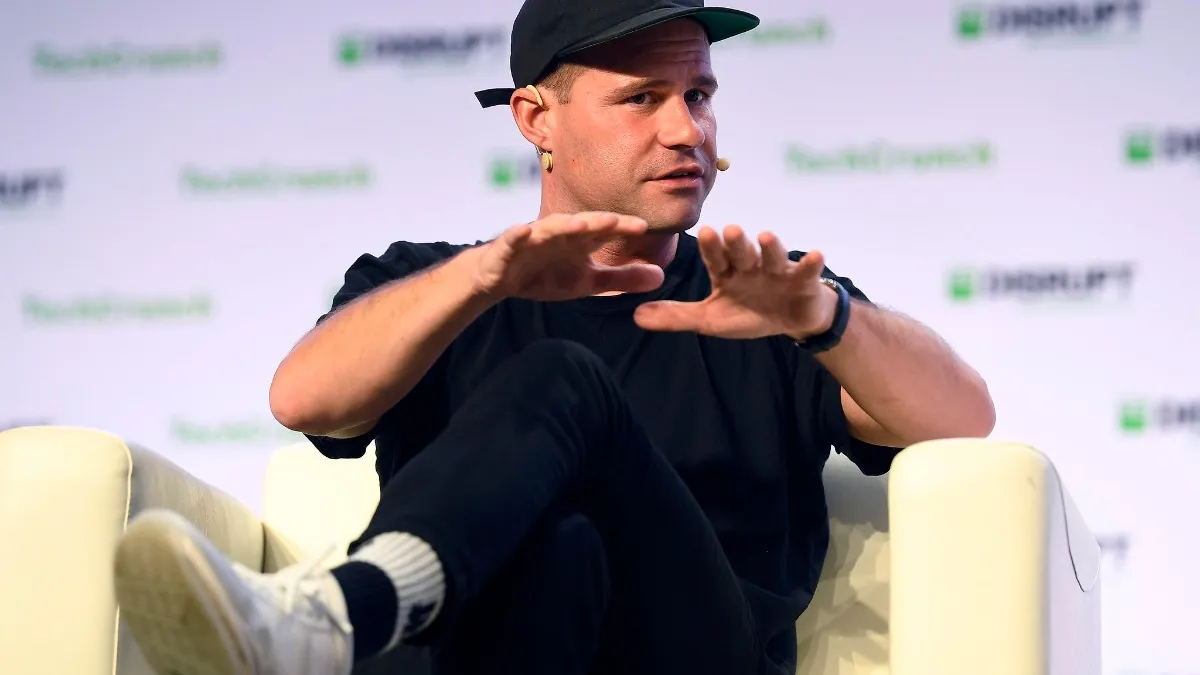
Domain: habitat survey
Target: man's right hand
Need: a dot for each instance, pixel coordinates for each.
(550, 259)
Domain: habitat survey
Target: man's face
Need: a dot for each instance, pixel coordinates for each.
(641, 111)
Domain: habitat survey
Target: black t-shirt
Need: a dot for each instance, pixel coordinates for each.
(748, 424)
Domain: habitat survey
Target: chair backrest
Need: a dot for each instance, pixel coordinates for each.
(311, 502)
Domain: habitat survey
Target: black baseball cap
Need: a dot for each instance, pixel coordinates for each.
(547, 30)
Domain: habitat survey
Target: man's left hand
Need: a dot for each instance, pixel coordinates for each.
(757, 291)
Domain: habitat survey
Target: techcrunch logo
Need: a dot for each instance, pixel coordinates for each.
(124, 58)
(883, 157)
(810, 31)
(249, 430)
(268, 179)
(1146, 147)
(489, 45)
(1138, 416)
(21, 189)
(1091, 282)
(509, 171)
(114, 309)
(1057, 19)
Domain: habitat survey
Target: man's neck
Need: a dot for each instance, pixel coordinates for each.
(655, 248)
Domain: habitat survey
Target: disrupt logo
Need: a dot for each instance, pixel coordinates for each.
(1172, 145)
(122, 58)
(509, 171)
(250, 430)
(114, 309)
(20, 189)
(267, 179)
(1049, 20)
(882, 157)
(815, 30)
(1138, 416)
(1040, 283)
(459, 47)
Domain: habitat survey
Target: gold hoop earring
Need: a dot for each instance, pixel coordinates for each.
(547, 161)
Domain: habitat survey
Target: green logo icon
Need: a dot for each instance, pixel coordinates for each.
(1135, 417)
(507, 171)
(970, 24)
(1139, 148)
(350, 51)
(963, 285)
(504, 174)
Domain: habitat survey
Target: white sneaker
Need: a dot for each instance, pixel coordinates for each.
(193, 612)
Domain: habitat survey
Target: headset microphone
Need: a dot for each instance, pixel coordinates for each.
(722, 164)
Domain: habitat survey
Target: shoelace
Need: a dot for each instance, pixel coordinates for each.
(289, 586)
(293, 590)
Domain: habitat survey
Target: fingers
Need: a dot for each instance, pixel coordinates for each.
(511, 240)
(811, 265)
(590, 224)
(516, 235)
(632, 278)
(743, 255)
(669, 315)
(774, 256)
(712, 251)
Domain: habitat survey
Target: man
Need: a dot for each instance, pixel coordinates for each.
(600, 439)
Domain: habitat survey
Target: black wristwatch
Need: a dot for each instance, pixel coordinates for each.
(815, 344)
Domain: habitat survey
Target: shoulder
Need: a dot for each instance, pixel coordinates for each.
(400, 260)
(403, 258)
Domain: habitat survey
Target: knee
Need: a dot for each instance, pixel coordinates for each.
(558, 351)
(570, 555)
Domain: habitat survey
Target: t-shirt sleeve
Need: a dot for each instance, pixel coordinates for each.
(819, 398)
(368, 273)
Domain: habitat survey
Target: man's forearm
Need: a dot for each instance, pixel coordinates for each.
(907, 379)
(359, 362)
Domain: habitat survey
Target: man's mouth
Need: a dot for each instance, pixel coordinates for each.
(683, 173)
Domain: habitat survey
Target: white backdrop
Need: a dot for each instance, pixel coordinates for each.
(182, 186)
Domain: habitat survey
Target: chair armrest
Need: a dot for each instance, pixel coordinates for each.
(993, 568)
(65, 498)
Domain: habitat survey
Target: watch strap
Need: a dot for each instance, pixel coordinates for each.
(815, 344)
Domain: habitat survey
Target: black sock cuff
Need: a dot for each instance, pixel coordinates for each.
(372, 604)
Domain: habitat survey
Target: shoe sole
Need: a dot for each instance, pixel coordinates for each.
(173, 602)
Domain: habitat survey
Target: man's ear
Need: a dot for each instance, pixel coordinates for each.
(532, 118)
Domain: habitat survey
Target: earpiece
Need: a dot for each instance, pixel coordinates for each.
(722, 164)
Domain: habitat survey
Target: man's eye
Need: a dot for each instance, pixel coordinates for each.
(639, 99)
(696, 96)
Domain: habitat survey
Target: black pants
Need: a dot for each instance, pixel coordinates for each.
(569, 543)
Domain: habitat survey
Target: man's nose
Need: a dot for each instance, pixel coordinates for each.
(679, 126)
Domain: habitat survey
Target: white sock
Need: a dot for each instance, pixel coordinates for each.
(416, 572)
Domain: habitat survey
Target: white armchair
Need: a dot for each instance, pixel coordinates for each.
(969, 558)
